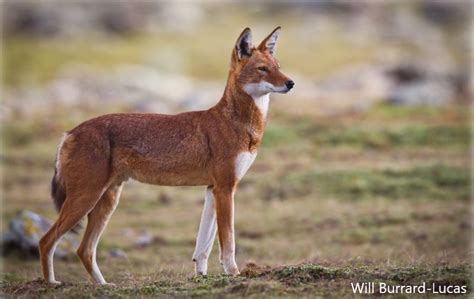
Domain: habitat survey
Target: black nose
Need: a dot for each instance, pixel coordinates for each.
(289, 84)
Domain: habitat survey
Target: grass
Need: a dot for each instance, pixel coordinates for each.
(320, 208)
(30, 60)
(286, 281)
(426, 182)
(380, 195)
(370, 137)
(392, 137)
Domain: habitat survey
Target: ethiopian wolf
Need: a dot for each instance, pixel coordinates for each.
(213, 148)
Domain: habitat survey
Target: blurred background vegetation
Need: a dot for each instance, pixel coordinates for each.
(364, 167)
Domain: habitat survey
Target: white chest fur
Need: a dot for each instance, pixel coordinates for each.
(243, 162)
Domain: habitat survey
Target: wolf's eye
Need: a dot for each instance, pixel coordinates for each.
(263, 68)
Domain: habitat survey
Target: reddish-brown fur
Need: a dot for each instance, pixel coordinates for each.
(191, 148)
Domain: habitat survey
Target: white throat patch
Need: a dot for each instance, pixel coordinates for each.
(262, 103)
(260, 94)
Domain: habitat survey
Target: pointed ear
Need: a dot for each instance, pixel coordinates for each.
(269, 43)
(243, 45)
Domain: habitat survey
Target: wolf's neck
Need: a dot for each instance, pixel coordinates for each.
(239, 105)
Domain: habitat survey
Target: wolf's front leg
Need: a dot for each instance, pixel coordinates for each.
(224, 199)
(206, 234)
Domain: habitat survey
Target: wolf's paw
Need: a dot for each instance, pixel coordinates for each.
(232, 270)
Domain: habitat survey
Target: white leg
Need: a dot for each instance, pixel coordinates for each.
(96, 275)
(206, 234)
(51, 278)
(97, 221)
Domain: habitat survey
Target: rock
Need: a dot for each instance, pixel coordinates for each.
(445, 13)
(118, 253)
(164, 198)
(25, 231)
(406, 73)
(176, 16)
(69, 18)
(354, 88)
(418, 84)
(429, 93)
(136, 87)
(122, 19)
(31, 19)
(145, 239)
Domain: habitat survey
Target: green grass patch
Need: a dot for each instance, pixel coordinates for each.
(212, 281)
(388, 112)
(35, 60)
(20, 134)
(417, 135)
(278, 134)
(424, 182)
(382, 127)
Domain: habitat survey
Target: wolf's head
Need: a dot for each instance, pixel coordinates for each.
(255, 68)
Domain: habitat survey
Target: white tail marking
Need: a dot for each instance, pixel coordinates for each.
(58, 153)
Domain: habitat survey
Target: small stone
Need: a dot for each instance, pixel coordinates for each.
(118, 253)
(25, 231)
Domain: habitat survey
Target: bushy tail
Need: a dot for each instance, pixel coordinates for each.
(57, 191)
(59, 196)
